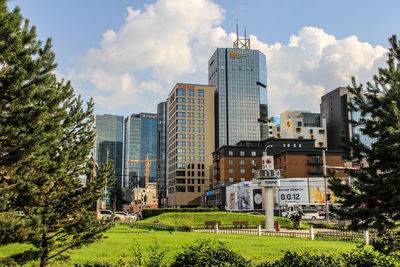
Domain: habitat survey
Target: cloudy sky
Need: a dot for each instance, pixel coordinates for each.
(128, 54)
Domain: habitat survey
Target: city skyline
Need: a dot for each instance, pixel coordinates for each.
(126, 55)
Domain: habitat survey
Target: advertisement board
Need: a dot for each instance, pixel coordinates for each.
(244, 196)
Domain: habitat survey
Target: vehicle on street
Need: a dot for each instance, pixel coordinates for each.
(310, 214)
(121, 216)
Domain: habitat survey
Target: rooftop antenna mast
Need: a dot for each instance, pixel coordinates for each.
(241, 43)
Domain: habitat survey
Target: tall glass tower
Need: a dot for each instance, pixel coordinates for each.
(140, 144)
(162, 153)
(239, 76)
(109, 140)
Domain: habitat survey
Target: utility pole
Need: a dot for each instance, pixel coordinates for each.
(325, 185)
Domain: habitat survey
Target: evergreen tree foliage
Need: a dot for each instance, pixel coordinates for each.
(373, 199)
(46, 135)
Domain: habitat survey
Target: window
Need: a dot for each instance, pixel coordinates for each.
(180, 158)
(321, 131)
(242, 171)
(180, 92)
(180, 188)
(180, 181)
(230, 162)
(181, 100)
(253, 153)
(181, 107)
(321, 144)
(190, 92)
(242, 162)
(242, 153)
(230, 170)
(288, 145)
(253, 162)
(311, 131)
(231, 179)
(181, 129)
(242, 179)
(180, 122)
(181, 136)
(180, 165)
(200, 93)
(299, 145)
(284, 145)
(294, 145)
(198, 189)
(298, 130)
(181, 151)
(180, 143)
(299, 123)
(181, 115)
(230, 153)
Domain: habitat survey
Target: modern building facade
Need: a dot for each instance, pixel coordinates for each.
(190, 143)
(162, 153)
(240, 80)
(303, 125)
(109, 142)
(140, 145)
(334, 107)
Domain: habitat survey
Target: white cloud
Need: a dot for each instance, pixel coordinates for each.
(314, 63)
(171, 41)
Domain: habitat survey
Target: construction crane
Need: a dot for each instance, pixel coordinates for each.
(147, 166)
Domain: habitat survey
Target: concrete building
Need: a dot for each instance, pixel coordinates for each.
(145, 197)
(190, 143)
(296, 157)
(240, 78)
(140, 144)
(303, 125)
(162, 153)
(334, 107)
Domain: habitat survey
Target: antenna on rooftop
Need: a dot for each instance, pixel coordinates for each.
(241, 43)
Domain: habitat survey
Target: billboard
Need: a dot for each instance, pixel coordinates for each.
(244, 196)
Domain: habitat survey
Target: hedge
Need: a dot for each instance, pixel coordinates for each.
(147, 213)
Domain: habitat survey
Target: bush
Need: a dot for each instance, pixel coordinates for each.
(359, 257)
(147, 213)
(209, 253)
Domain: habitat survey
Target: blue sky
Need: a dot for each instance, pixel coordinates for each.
(128, 55)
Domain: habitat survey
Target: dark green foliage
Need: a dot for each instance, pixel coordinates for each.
(209, 253)
(147, 213)
(359, 257)
(373, 200)
(46, 135)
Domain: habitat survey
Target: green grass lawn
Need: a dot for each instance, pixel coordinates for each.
(226, 218)
(121, 240)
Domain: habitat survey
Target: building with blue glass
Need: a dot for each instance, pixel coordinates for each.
(240, 80)
(140, 145)
(162, 153)
(109, 142)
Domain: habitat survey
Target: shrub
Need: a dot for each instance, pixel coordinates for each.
(209, 253)
(358, 257)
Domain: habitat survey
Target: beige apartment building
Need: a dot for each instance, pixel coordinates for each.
(190, 143)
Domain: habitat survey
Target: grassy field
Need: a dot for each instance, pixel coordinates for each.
(198, 218)
(121, 240)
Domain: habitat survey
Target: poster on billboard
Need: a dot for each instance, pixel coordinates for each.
(243, 196)
(317, 190)
(292, 190)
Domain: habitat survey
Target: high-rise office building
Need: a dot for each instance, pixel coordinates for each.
(239, 76)
(140, 145)
(190, 143)
(162, 153)
(334, 107)
(109, 143)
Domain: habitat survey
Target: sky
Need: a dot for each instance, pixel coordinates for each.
(128, 54)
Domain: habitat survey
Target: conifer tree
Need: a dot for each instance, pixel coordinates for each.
(46, 135)
(373, 199)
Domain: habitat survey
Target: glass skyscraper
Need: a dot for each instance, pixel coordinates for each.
(162, 153)
(109, 142)
(140, 142)
(240, 80)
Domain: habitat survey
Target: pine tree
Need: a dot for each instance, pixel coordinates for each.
(373, 200)
(46, 135)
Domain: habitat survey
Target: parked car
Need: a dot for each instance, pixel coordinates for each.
(310, 214)
(105, 214)
(121, 216)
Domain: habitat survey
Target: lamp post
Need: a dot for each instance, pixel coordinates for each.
(325, 185)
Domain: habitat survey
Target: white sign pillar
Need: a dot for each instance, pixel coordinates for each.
(269, 178)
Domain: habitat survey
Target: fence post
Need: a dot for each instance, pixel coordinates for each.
(311, 232)
(216, 228)
(366, 237)
(259, 230)
(176, 226)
